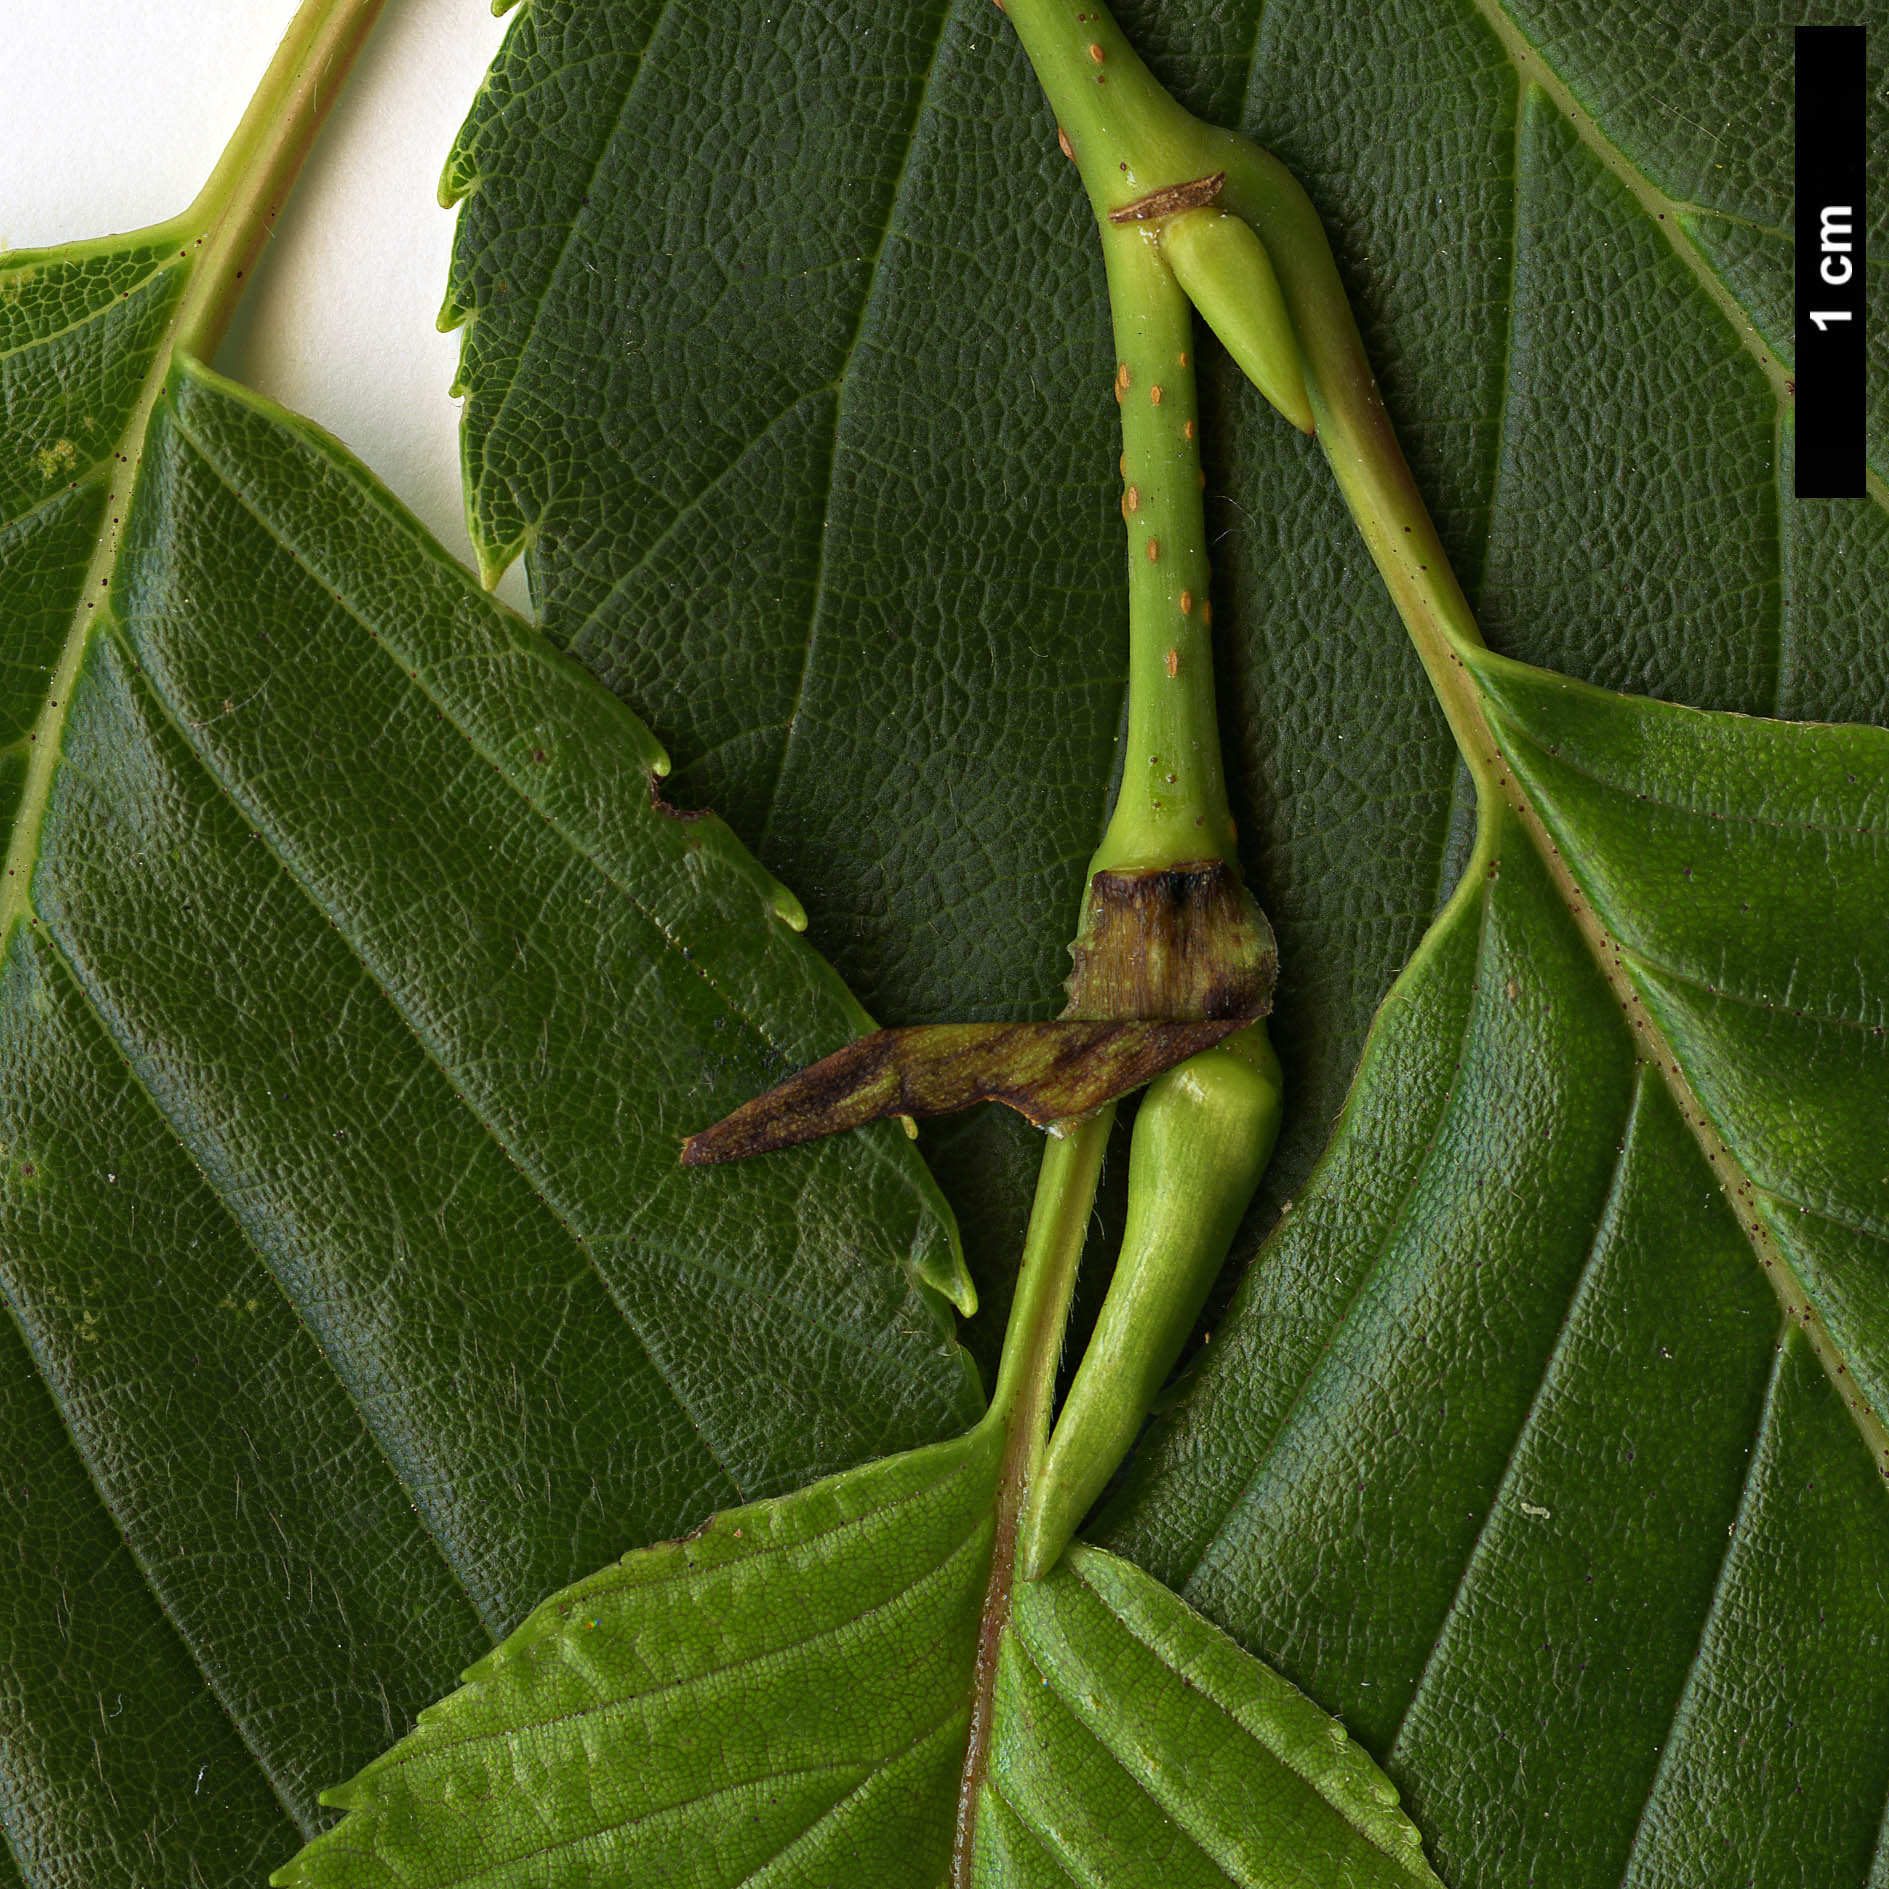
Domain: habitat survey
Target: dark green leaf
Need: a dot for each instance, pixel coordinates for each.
(834, 514)
(823, 483)
(1565, 229)
(783, 1694)
(788, 359)
(1561, 1384)
(362, 999)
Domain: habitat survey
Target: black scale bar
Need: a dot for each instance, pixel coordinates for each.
(1831, 97)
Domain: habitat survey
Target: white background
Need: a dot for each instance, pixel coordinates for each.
(115, 111)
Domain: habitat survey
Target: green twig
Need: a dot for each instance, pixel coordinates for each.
(1026, 1385)
(1173, 802)
(1130, 140)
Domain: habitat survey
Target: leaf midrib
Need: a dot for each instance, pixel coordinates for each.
(1554, 849)
(217, 238)
(565, 1212)
(1664, 212)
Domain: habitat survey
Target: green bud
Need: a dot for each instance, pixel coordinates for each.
(1228, 276)
(1202, 1139)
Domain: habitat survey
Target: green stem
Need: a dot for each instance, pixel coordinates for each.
(1026, 1387)
(1149, 143)
(1059, 1222)
(1172, 807)
(1173, 803)
(1127, 135)
(226, 226)
(1129, 138)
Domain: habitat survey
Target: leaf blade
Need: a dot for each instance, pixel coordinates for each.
(82, 331)
(1191, 1734)
(1644, 1413)
(773, 1646)
(783, 1698)
(326, 1118)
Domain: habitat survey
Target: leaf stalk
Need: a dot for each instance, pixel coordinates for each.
(237, 207)
(1026, 1386)
(225, 226)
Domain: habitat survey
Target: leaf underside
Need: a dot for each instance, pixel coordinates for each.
(1568, 237)
(356, 1297)
(315, 1380)
(1600, 1435)
(1599, 1457)
(830, 498)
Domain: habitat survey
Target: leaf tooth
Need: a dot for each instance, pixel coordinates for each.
(458, 179)
(496, 559)
(357, 1793)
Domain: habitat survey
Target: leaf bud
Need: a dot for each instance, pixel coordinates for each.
(1202, 1139)
(1228, 276)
